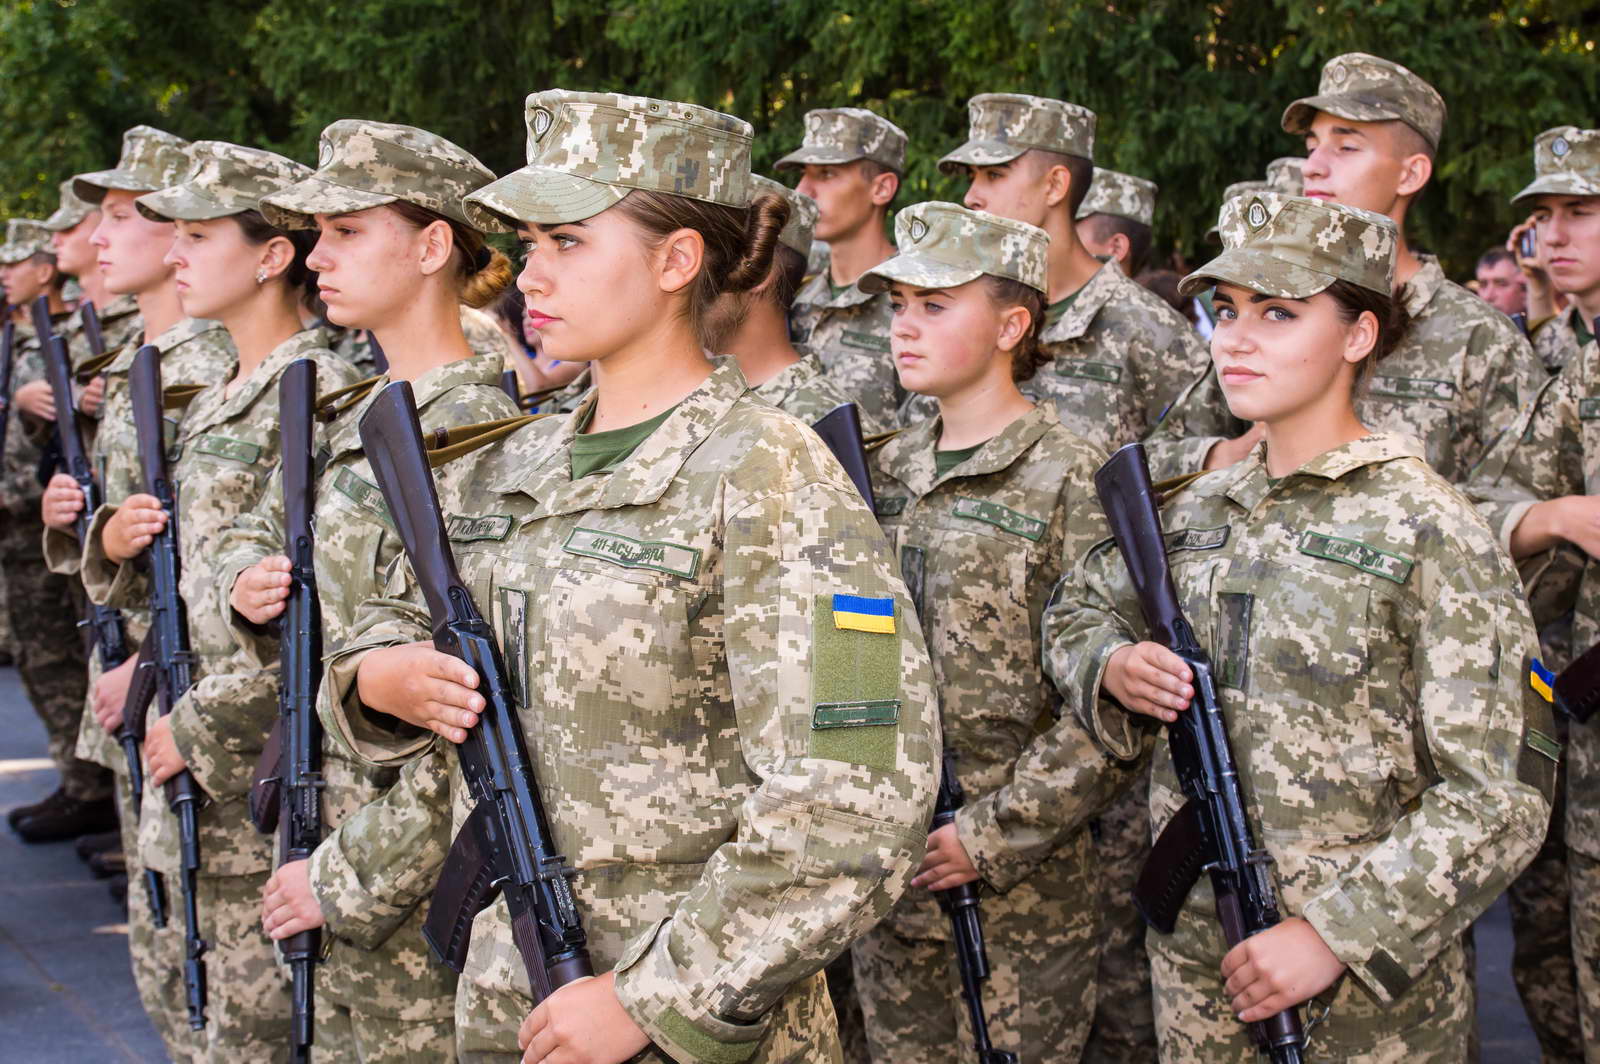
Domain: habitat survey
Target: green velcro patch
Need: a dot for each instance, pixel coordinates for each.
(864, 340)
(1588, 410)
(892, 506)
(1389, 973)
(1541, 743)
(1412, 388)
(463, 529)
(1002, 517)
(229, 448)
(1197, 538)
(1092, 371)
(702, 1046)
(856, 714)
(363, 493)
(634, 554)
(1368, 559)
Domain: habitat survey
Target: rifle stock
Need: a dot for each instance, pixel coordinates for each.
(840, 429)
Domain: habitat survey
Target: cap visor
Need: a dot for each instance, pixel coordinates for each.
(815, 156)
(64, 219)
(917, 270)
(981, 153)
(1256, 270)
(93, 187)
(1567, 184)
(294, 207)
(1297, 116)
(538, 195)
(180, 203)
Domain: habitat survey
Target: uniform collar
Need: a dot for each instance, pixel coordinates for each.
(908, 456)
(182, 332)
(818, 292)
(1423, 286)
(345, 436)
(791, 378)
(218, 407)
(1096, 293)
(1247, 483)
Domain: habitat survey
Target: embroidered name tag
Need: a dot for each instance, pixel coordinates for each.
(1359, 555)
(1093, 371)
(490, 526)
(892, 506)
(634, 554)
(226, 447)
(855, 714)
(864, 340)
(363, 494)
(1588, 409)
(1001, 517)
(1413, 388)
(1197, 538)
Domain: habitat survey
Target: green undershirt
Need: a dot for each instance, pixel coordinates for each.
(944, 461)
(1581, 327)
(597, 452)
(1058, 310)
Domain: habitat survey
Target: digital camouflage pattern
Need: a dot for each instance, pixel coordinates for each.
(225, 179)
(25, 238)
(1296, 247)
(1002, 126)
(1566, 162)
(1287, 176)
(689, 592)
(797, 231)
(1543, 965)
(1233, 192)
(71, 210)
(848, 329)
(587, 150)
(805, 390)
(363, 164)
(1555, 340)
(982, 548)
(944, 245)
(1122, 195)
(1370, 644)
(1365, 88)
(151, 159)
(843, 135)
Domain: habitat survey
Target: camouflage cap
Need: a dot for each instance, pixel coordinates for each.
(1001, 126)
(1364, 88)
(151, 159)
(1287, 175)
(1566, 162)
(845, 134)
(802, 213)
(25, 238)
(73, 209)
(362, 164)
(1296, 247)
(943, 245)
(1123, 195)
(1229, 194)
(225, 179)
(587, 150)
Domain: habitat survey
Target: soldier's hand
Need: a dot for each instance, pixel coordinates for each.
(581, 1023)
(36, 400)
(111, 693)
(1148, 678)
(62, 503)
(1227, 452)
(261, 590)
(1572, 518)
(162, 761)
(1281, 967)
(1535, 269)
(288, 906)
(946, 864)
(421, 686)
(92, 396)
(133, 527)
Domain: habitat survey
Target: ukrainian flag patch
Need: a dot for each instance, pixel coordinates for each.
(857, 613)
(1541, 680)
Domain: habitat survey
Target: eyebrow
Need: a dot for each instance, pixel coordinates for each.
(1256, 297)
(557, 225)
(1347, 131)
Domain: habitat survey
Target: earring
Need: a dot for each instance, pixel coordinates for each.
(261, 275)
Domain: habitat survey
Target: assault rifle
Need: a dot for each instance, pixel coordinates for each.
(840, 429)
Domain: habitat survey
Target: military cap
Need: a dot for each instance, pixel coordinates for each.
(845, 134)
(225, 179)
(802, 221)
(25, 238)
(1123, 195)
(1364, 88)
(1296, 247)
(1233, 192)
(1566, 162)
(73, 209)
(1001, 126)
(943, 245)
(151, 159)
(362, 164)
(1287, 175)
(587, 150)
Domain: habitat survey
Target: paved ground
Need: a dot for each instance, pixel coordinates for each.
(66, 995)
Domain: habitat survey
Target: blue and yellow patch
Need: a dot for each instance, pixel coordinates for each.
(1542, 680)
(857, 613)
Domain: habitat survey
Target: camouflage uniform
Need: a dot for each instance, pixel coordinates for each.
(1555, 340)
(1566, 161)
(849, 329)
(1123, 195)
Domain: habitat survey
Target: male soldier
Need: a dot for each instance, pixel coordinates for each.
(1501, 283)
(851, 160)
(51, 656)
(1114, 220)
(1565, 197)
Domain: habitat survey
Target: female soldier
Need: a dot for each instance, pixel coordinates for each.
(234, 267)
(1371, 648)
(399, 268)
(727, 705)
(987, 503)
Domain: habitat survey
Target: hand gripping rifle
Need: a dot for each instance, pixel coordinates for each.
(1211, 833)
(174, 662)
(506, 845)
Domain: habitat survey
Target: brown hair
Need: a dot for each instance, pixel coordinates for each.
(299, 277)
(484, 271)
(1081, 169)
(1355, 300)
(739, 242)
(1004, 293)
(1105, 226)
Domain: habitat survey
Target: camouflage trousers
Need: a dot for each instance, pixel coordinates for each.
(1584, 874)
(1195, 1024)
(841, 975)
(346, 1036)
(1038, 1000)
(1124, 1029)
(1542, 962)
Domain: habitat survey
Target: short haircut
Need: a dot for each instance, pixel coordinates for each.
(872, 169)
(790, 267)
(1081, 169)
(1106, 226)
(1494, 257)
(48, 258)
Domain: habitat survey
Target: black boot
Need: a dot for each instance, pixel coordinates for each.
(89, 845)
(22, 812)
(68, 819)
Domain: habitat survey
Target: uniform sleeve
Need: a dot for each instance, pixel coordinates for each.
(828, 840)
(109, 583)
(1540, 458)
(254, 534)
(1511, 374)
(1197, 420)
(1171, 368)
(221, 724)
(381, 622)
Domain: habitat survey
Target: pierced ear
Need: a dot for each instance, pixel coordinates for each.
(680, 258)
(884, 187)
(1414, 173)
(438, 241)
(1014, 325)
(277, 256)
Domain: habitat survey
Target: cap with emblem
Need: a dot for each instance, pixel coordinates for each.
(1566, 162)
(1364, 88)
(1231, 193)
(72, 210)
(943, 245)
(362, 164)
(225, 179)
(802, 221)
(1001, 126)
(1296, 247)
(25, 238)
(587, 150)
(1123, 195)
(151, 159)
(1287, 175)
(843, 135)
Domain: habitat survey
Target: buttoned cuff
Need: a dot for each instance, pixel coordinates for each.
(1509, 519)
(349, 721)
(1113, 728)
(651, 987)
(209, 722)
(978, 826)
